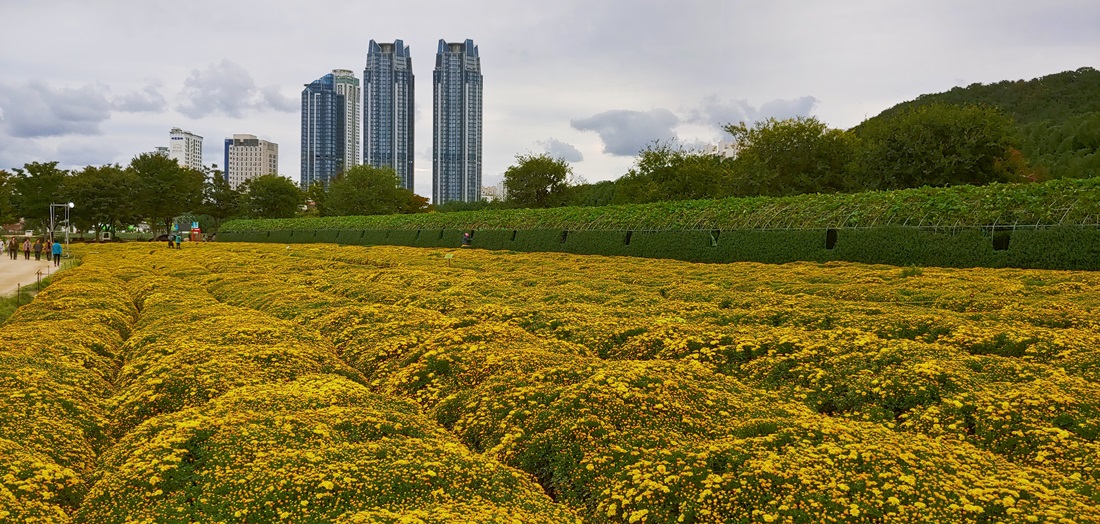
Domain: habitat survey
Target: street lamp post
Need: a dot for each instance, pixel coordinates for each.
(53, 219)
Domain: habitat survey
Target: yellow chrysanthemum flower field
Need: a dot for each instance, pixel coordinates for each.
(318, 383)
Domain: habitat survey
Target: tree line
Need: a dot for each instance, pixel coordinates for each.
(931, 145)
(1005, 132)
(156, 190)
(925, 145)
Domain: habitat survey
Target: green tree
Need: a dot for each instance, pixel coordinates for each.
(664, 171)
(1070, 146)
(316, 196)
(537, 181)
(1048, 110)
(591, 195)
(165, 189)
(939, 145)
(790, 157)
(411, 202)
(7, 212)
(367, 190)
(220, 201)
(271, 196)
(104, 198)
(35, 187)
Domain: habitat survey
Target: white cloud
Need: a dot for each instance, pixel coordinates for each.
(719, 113)
(563, 150)
(227, 88)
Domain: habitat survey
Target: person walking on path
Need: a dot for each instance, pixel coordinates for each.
(37, 249)
(56, 251)
(27, 249)
(13, 248)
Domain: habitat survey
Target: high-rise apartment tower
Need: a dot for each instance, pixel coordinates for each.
(457, 117)
(388, 110)
(347, 85)
(330, 126)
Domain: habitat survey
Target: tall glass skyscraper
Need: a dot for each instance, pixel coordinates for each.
(388, 110)
(456, 137)
(347, 85)
(330, 126)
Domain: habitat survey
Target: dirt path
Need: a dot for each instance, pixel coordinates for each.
(14, 273)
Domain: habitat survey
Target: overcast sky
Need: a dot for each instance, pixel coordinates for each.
(594, 81)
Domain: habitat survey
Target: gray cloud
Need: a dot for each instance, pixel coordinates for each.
(14, 152)
(148, 99)
(227, 88)
(563, 150)
(278, 102)
(37, 110)
(719, 113)
(624, 133)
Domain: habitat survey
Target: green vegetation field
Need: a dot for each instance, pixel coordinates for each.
(304, 383)
(1052, 225)
(1057, 202)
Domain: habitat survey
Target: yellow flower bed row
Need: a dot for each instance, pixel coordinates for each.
(316, 449)
(221, 414)
(188, 348)
(57, 361)
(657, 391)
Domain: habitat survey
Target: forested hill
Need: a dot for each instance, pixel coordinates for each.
(1048, 98)
(1058, 117)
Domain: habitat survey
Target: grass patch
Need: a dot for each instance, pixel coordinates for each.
(11, 302)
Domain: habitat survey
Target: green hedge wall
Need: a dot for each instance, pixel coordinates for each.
(494, 238)
(1057, 247)
(775, 246)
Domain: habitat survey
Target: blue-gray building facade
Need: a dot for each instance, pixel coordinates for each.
(325, 130)
(322, 147)
(388, 114)
(457, 123)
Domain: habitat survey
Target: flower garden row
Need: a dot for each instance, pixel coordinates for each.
(138, 397)
(239, 382)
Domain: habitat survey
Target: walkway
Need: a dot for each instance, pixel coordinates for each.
(14, 273)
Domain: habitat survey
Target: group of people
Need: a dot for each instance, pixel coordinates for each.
(13, 246)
